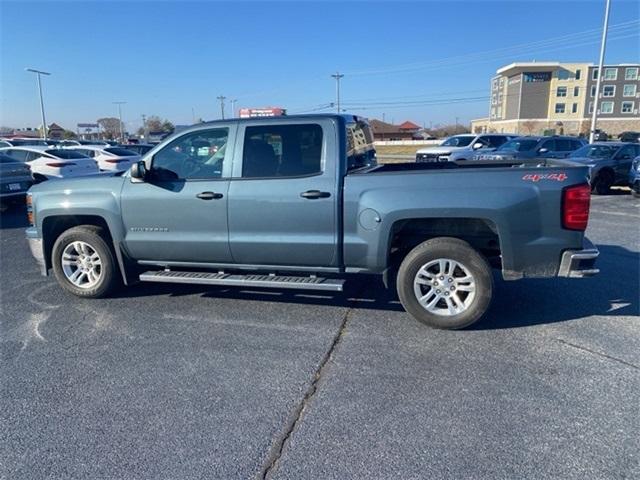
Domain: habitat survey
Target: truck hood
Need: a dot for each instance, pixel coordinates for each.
(85, 183)
(586, 160)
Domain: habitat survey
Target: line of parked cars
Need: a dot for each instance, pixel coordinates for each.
(610, 163)
(25, 161)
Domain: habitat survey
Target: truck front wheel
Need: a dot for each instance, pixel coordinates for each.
(83, 263)
(445, 283)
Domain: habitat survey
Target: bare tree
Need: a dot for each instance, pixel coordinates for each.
(110, 126)
(529, 126)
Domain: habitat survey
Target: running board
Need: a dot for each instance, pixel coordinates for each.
(239, 280)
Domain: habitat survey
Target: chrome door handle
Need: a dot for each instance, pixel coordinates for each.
(312, 194)
(209, 196)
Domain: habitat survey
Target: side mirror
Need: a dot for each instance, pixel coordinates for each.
(478, 145)
(543, 150)
(139, 170)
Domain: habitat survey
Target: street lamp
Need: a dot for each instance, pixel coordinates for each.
(44, 121)
(120, 117)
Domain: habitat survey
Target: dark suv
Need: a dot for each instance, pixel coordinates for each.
(609, 163)
(531, 147)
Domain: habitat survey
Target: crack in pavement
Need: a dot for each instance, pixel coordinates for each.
(600, 354)
(273, 458)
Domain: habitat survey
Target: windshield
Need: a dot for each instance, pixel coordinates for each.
(18, 143)
(595, 151)
(518, 145)
(121, 152)
(65, 153)
(458, 141)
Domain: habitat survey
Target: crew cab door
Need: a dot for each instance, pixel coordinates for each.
(283, 197)
(178, 213)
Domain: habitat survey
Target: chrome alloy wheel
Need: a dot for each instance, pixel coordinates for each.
(444, 287)
(81, 264)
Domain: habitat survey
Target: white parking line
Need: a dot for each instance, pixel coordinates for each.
(618, 213)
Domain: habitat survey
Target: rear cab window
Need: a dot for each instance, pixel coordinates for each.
(361, 152)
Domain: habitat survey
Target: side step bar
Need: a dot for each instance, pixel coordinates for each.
(239, 280)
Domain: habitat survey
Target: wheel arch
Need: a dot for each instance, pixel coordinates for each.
(54, 225)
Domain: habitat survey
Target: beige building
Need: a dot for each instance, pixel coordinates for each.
(533, 98)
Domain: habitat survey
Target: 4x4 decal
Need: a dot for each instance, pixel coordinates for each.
(536, 177)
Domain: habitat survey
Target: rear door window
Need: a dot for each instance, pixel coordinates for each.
(563, 145)
(550, 145)
(276, 151)
(20, 155)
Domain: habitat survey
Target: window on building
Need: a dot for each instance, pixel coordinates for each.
(593, 91)
(609, 91)
(590, 107)
(564, 74)
(594, 74)
(574, 108)
(606, 107)
(561, 92)
(631, 73)
(629, 90)
(578, 74)
(560, 107)
(610, 73)
(576, 91)
(627, 107)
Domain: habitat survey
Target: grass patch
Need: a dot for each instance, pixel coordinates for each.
(400, 149)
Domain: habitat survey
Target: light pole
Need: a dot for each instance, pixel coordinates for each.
(338, 76)
(44, 121)
(120, 118)
(233, 107)
(594, 117)
(222, 99)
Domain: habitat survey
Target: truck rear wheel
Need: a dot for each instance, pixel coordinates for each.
(445, 283)
(83, 263)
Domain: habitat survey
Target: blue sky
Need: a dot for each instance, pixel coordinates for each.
(167, 57)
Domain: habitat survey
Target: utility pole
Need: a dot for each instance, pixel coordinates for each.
(456, 125)
(338, 76)
(44, 121)
(120, 117)
(603, 45)
(144, 126)
(193, 115)
(222, 99)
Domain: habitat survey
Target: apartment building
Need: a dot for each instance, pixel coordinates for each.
(532, 98)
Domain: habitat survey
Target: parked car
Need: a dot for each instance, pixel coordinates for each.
(608, 162)
(23, 142)
(48, 162)
(462, 147)
(523, 148)
(629, 137)
(112, 159)
(634, 177)
(304, 194)
(15, 179)
(139, 148)
(76, 143)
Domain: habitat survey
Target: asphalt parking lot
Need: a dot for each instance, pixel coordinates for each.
(182, 382)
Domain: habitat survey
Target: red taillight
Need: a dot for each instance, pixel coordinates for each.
(60, 164)
(575, 207)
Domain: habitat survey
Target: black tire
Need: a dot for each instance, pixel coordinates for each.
(602, 183)
(109, 278)
(635, 190)
(453, 249)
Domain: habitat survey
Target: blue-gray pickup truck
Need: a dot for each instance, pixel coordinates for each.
(300, 202)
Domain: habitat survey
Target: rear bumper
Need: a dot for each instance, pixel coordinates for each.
(36, 247)
(579, 263)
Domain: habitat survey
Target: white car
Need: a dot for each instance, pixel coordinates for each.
(50, 162)
(110, 159)
(23, 142)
